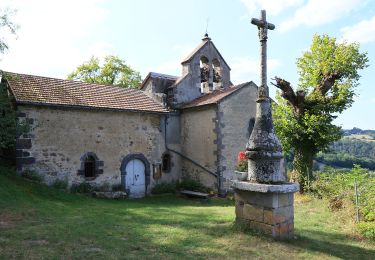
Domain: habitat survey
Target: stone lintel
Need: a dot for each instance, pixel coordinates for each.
(266, 188)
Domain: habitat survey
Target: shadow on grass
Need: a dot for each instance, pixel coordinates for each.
(333, 244)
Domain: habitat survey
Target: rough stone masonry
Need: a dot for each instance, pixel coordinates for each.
(264, 202)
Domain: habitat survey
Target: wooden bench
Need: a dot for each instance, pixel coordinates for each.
(194, 194)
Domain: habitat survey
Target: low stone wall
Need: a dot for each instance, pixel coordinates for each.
(269, 213)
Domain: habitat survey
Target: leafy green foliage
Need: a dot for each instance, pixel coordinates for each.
(114, 71)
(337, 185)
(367, 229)
(163, 188)
(60, 184)
(5, 21)
(360, 148)
(345, 160)
(350, 150)
(8, 121)
(10, 127)
(32, 175)
(242, 166)
(191, 184)
(304, 118)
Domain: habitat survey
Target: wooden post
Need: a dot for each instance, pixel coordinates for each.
(356, 201)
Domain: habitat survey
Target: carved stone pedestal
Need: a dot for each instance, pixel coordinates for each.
(265, 208)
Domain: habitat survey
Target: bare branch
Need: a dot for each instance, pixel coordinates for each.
(327, 83)
(287, 91)
(295, 99)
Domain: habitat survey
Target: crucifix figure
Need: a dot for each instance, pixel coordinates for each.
(263, 148)
(263, 27)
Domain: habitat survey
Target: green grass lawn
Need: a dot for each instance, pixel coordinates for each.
(37, 222)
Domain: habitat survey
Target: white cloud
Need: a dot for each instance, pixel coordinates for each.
(248, 69)
(273, 7)
(362, 32)
(318, 12)
(49, 36)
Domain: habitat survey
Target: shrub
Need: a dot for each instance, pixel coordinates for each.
(83, 187)
(162, 188)
(60, 184)
(338, 186)
(191, 184)
(242, 166)
(367, 229)
(32, 175)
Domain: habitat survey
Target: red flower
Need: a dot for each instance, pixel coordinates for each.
(241, 156)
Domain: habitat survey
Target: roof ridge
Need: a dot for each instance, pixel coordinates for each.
(73, 81)
(40, 90)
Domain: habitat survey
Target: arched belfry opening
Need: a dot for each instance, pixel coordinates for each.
(205, 74)
(217, 74)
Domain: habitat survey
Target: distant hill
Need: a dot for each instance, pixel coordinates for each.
(356, 147)
(358, 131)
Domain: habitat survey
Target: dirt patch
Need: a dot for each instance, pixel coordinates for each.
(302, 198)
(8, 219)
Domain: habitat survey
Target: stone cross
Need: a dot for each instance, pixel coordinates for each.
(263, 147)
(263, 27)
(264, 202)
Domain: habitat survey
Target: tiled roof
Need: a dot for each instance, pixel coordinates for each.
(214, 97)
(154, 75)
(29, 89)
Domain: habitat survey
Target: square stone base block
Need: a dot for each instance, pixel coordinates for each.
(266, 209)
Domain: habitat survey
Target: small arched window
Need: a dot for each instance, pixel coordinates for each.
(90, 167)
(166, 162)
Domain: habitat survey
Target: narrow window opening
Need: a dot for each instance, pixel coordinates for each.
(205, 74)
(217, 74)
(90, 167)
(166, 162)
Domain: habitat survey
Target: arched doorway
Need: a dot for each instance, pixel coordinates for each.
(135, 178)
(135, 175)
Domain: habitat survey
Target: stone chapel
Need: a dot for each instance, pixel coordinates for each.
(172, 127)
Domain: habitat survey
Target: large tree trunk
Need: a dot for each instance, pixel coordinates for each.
(302, 169)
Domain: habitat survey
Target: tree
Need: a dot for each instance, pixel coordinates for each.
(8, 121)
(10, 126)
(113, 72)
(303, 118)
(5, 21)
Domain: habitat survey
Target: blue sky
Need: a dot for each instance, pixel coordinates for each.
(155, 35)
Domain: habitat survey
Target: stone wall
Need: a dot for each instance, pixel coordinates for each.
(236, 115)
(198, 142)
(269, 213)
(60, 137)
